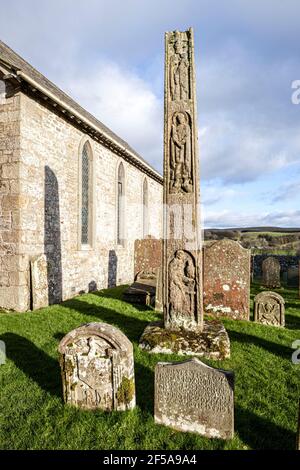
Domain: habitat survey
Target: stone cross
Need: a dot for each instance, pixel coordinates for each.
(182, 258)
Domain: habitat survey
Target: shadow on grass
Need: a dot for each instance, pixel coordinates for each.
(144, 383)
(36, 364)
(110, 294)
(260, 433)
(274, 348)
(131, 326)
(292, 322)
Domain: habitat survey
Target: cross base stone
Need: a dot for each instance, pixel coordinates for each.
(211, 343)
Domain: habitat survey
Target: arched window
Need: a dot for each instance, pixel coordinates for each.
(86, 195)
(145, 209)
(121, 205)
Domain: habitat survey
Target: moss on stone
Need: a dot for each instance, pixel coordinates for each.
(125, 391)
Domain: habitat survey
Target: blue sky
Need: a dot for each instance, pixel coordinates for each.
(109, 57)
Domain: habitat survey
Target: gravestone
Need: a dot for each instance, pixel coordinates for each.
(97, 368)
(147, 255)
(226, 283)
(183, 330)
(39, 281)
(193, 397)
(269, 309)
(271, 272)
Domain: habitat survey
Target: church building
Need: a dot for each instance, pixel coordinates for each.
(74, 196)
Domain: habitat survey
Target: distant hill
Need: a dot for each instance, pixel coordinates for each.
(257, 229)
(276, 240)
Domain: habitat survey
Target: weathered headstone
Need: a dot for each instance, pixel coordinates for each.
(147, 255)
(271, 272)
(191, 396)
(226, 283)
(97, 368)
(269, 309)
(39, 281)
(182, 297)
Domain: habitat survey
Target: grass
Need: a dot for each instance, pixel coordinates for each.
(33, 415)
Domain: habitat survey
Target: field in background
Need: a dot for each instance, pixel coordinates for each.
(261, 240)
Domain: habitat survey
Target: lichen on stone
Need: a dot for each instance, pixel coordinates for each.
(125, 391)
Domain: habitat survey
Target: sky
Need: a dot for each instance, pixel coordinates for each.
(108, 55)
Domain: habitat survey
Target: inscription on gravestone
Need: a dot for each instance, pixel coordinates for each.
(191, 396)
(97, 368)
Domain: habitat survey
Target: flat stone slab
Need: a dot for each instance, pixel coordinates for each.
(212, 343)
(140, 293)
(193, 397)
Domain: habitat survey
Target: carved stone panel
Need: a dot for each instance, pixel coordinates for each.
(271, 272)
(226, 286)
(191, 396)
(97, 368)
(182, 293)
(180, 154)
(179, 67)
(147, 256)
(39, 282)
(269, 309)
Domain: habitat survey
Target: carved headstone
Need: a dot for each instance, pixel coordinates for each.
(191, 396)
(97, 368)
(269, 309)
(226, 286)
(182, 274)
(271, 272)
(39, 282)
(147, 255)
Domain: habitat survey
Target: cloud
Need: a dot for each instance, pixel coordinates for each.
(123, 101)
(286, 192)
(228, 219)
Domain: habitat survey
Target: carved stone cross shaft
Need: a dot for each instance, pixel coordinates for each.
(182, 258)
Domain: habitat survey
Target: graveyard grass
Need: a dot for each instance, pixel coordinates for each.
(33, 415)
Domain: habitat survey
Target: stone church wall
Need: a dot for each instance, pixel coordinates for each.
(46, 176)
